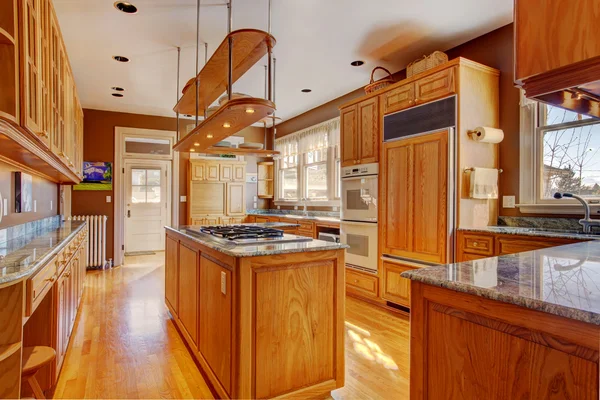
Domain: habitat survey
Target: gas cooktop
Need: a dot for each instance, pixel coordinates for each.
(249, 234)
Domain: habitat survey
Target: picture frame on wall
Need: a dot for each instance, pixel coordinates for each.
(23, 192)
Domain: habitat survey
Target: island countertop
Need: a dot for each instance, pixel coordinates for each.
(537, 232)
(563, 280)
(255, 250)
(24, 255)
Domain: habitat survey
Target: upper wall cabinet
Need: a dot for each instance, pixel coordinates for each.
(557, 58)
(360, 133)
(41, 120)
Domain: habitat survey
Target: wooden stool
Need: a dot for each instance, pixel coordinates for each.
(35, 358)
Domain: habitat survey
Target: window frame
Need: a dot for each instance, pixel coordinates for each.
(531, 163)
(333, 185)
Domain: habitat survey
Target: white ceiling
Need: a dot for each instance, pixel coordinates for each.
(316, 41)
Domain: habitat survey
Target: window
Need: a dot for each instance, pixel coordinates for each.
(145, 185)
(560, 152)
(309, 165)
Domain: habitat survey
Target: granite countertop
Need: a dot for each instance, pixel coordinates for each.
(562, 280)
(254, 250)
(302, 217)
(540, 232)
(24, 255)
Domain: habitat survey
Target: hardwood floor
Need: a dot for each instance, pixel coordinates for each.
(125, 346)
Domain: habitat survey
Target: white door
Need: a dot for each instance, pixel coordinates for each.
(146, 207)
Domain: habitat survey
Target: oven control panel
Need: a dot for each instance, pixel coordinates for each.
(360, 170)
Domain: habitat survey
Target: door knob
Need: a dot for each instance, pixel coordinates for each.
(128, 213)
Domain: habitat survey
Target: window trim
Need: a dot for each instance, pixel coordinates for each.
(530, 158)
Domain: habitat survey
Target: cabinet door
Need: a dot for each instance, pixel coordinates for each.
(212, 172)
(368, 114)
(197, 171)
(435, 86)
(215, 319)
(188, 290)
(56, 140)
(236, 198)
(414, 207)
(226, 172)
(207, 198)
(171, 272)
(398, 99)
(31, 51)
(396, 288)
(239, 173)
(212, 220)
(349, 136)
(45, 74)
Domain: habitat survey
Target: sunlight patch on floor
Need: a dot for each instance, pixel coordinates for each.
(367, 348)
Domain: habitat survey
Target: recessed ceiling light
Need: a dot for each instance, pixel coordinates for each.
(250, 110)
(126, 7)
(192, 150)
(118, 89)
(226, 125)
(117, 94)
(196, 144)
(209, 136)
(357, 63)
(122, 59)
(306, 90)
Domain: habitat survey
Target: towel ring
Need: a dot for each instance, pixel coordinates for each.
(500, 170)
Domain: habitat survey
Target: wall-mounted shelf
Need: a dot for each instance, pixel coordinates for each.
(249, 46)
(229, 119)
(240, 152)
(265, 181)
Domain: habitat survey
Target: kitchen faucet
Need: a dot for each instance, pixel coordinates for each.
(304, 200)
(586, 222)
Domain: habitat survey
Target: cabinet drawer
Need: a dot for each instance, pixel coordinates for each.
(478, 244)
(435, 86)
(396, 288)
(261, 220)
(40, 284)
(511, 246)
(360, 283)
(398, 99)
(305, 226)
(471, 257)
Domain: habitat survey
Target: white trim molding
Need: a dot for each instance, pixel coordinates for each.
(119, 182)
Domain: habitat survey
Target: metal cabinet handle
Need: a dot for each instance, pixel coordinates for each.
(51, 279)
(475, 244)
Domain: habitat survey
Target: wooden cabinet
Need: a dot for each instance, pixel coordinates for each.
(189, 266)
(265, 180)
(236, 198)
(435, 86)
(476, 245)
(360, 133)
(31, 56)
(62, 322)
(555, 62)
(399, 98)
(9, 64)
(415, 183)
(394, 287)
(216, 189)
(361, 283)
(215, 319)
(225, 172)
(349, 136)
(231, 220)
(172, 272)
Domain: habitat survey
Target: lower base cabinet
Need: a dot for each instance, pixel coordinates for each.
(188, 291)
(396, 288)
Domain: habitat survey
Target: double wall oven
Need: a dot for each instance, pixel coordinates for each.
(359, 215)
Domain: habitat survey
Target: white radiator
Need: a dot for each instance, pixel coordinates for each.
(96, 249)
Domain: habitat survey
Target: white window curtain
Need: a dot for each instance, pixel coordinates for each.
(321, 136)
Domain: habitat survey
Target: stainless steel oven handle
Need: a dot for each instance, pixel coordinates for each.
(355, 223)
(355, 178)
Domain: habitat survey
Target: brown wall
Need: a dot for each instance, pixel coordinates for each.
(494, 49)
(99, 145)
(44, 192)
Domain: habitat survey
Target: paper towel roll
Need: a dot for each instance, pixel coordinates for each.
(487, 135)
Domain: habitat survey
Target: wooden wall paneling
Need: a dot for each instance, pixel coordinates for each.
(541, 355)
(551, 36)
(478, 105)
(349, 132)
(215, 320)
(172, 273)
(289, 359)
(11, 336)
(188, 289)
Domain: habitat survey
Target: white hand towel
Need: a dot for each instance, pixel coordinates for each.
(484, 183)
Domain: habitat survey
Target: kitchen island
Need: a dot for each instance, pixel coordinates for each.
(262, 320)
(520, 326)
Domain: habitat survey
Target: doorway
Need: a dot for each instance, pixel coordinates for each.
(147, 205)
